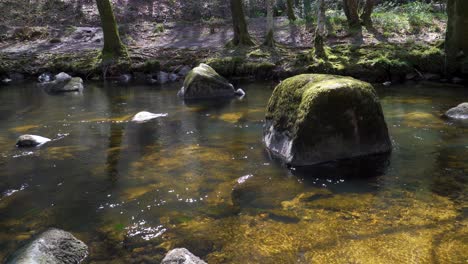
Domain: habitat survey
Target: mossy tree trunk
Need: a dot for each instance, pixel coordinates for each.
(351, 11)
(308, 13)
(113, 49)
(241, 34)
(319, 45)
(270, 38)
(456, 40)
(367, 12)
(290, 10)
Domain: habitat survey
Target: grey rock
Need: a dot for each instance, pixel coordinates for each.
(240, 92)
(45, 77)
(184, 71)
(54, 246)
(459, 112)
(31, 141)
(181, 256)
(74, 85)
(204, 82)
(63, 83)
(125, 78)
(62, 77)
(387, 84)
(162, 77)
(173, 77)
(142, 117)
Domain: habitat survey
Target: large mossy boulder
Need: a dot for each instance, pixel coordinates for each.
(203, 82)
(54, 246)
(317, 118)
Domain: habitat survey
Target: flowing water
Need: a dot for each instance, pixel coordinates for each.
(132, 191)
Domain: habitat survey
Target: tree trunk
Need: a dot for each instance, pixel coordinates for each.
(241, 34)
(308, 13)
(351, 11)
(290, 10)
(367, 12)
(320, 31)
(269, 38)
(113, 47)
(456, 40)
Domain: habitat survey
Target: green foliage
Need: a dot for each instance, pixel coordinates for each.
(159, 28)
(407, 18)
(151, 66)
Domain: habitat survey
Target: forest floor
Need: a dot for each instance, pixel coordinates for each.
(33, 50)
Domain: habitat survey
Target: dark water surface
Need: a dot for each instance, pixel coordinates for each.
(133, 191)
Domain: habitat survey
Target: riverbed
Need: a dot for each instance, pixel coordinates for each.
(134, 191)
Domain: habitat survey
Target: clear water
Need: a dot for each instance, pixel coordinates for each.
(133, 191)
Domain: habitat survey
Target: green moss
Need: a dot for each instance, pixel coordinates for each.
(239, 66)
(81, 64)
(282, 108)
(311, 105)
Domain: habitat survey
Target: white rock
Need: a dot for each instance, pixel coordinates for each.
(146, 116)
(31, 141)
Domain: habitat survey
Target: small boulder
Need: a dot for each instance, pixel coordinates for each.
(459, 112)
(45, 77)
(240, 92)
(142, 117)
(25, 141)
(181, 256)
(184, 71)
(204, 82)
(173, 77)
(317, 118)
(63, 83)
(125, 78)
(162, 77)
(52, 246)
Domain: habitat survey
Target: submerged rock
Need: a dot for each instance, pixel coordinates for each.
(63, 83)
(204, 82)
(146, 116)
(458, 112)
(316, 118)
(53, 246)
(31, 141)
(181, 256)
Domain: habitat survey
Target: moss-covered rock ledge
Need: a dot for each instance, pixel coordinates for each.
(316, 118)
(381, 62)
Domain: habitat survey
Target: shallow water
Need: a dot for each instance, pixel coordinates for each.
(133, 191)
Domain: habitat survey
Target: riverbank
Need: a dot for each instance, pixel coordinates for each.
(371, 55)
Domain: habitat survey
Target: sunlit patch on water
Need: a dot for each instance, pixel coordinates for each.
(143, 230)
(23, 154)
(10, 192)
